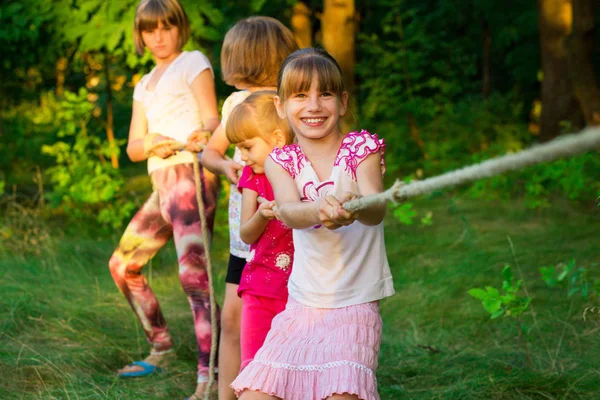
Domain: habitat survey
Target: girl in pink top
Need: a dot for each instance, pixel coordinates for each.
(256, 130)
(325, 344)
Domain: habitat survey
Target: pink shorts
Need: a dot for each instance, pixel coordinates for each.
(313, 353)
(257, 314)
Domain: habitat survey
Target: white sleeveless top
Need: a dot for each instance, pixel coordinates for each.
(348, 265)
(171, 108)
(237, 247)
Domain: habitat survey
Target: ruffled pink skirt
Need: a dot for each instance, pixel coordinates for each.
(313, 353)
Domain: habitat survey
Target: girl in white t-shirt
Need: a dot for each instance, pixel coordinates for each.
(252, 52)
(325, 344)
(175, 101)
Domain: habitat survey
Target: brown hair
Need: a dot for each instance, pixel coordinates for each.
(150, 12)
(256, 117)
(253, 49)
(296, 73)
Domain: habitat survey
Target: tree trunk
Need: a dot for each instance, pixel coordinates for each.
(581, 46)
(302, 25)
(338, 29)
(415, 133)
(558, 100)
(487, 45)
(61, 66)
(110, 133)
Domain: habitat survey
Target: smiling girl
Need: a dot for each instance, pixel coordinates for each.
(325, 344)
(256, 130)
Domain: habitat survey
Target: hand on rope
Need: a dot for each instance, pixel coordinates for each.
(197, 141)
(161, 146)
(268, 209)
(158, 145)
(333, 215)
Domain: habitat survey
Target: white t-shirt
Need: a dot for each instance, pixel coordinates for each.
(346, 266)
(237, 247)
(171, 108)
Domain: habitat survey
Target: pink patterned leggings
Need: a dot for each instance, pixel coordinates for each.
(171, 210)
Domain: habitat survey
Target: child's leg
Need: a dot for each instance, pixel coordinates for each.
(182, 209)
(257, 314)
(145, 235)
(229, 344)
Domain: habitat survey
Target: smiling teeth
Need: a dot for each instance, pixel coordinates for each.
(314, 120)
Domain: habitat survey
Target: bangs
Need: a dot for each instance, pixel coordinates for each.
(240, 125)
(150, 12)
(154, 12)
(297, 76)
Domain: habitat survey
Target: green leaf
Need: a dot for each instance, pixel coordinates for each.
(548, 275)
(479, 294)
(507, 273)
(492, 305)
(492, 291)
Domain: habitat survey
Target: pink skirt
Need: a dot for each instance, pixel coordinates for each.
(313, 353)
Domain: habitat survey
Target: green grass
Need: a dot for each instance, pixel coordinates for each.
(65, 328)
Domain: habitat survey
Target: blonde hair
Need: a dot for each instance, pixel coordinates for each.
(296, 73)
(150, 12)
(257, 117)
(253, 49)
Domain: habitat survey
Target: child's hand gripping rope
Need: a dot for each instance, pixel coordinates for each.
(164, 147)
(563, 146)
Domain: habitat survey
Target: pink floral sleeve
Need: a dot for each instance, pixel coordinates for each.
(290, 158)
(356, 147)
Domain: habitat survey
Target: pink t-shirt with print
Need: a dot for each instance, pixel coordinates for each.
(270, 260)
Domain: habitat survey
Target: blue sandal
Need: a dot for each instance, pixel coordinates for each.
(149, 369)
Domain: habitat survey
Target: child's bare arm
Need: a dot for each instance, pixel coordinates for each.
(203, 89)
(370, 181)
(213, 156)
(254, 218)
(290, 210)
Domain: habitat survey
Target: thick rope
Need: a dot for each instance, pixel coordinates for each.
(562, 146)
(213, 302)
(177, 146)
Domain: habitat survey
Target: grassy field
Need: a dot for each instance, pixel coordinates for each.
(65, 329)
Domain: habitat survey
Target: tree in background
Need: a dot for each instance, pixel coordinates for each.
(338, 22)
(559, 104)
(581, 67)
(302, 25)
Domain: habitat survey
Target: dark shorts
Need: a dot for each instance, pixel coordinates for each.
(234, 269)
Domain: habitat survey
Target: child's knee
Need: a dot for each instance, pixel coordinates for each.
(114, 266)
(231, 319)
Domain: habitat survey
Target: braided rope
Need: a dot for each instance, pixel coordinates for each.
(211, 288)
(562, 146)
(178, 146)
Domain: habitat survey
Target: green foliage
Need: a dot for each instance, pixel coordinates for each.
(420, 71)
(30, 43)
(81, 178)
(404, 213)
(509, 303)
(577, 178)
(572, 278)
